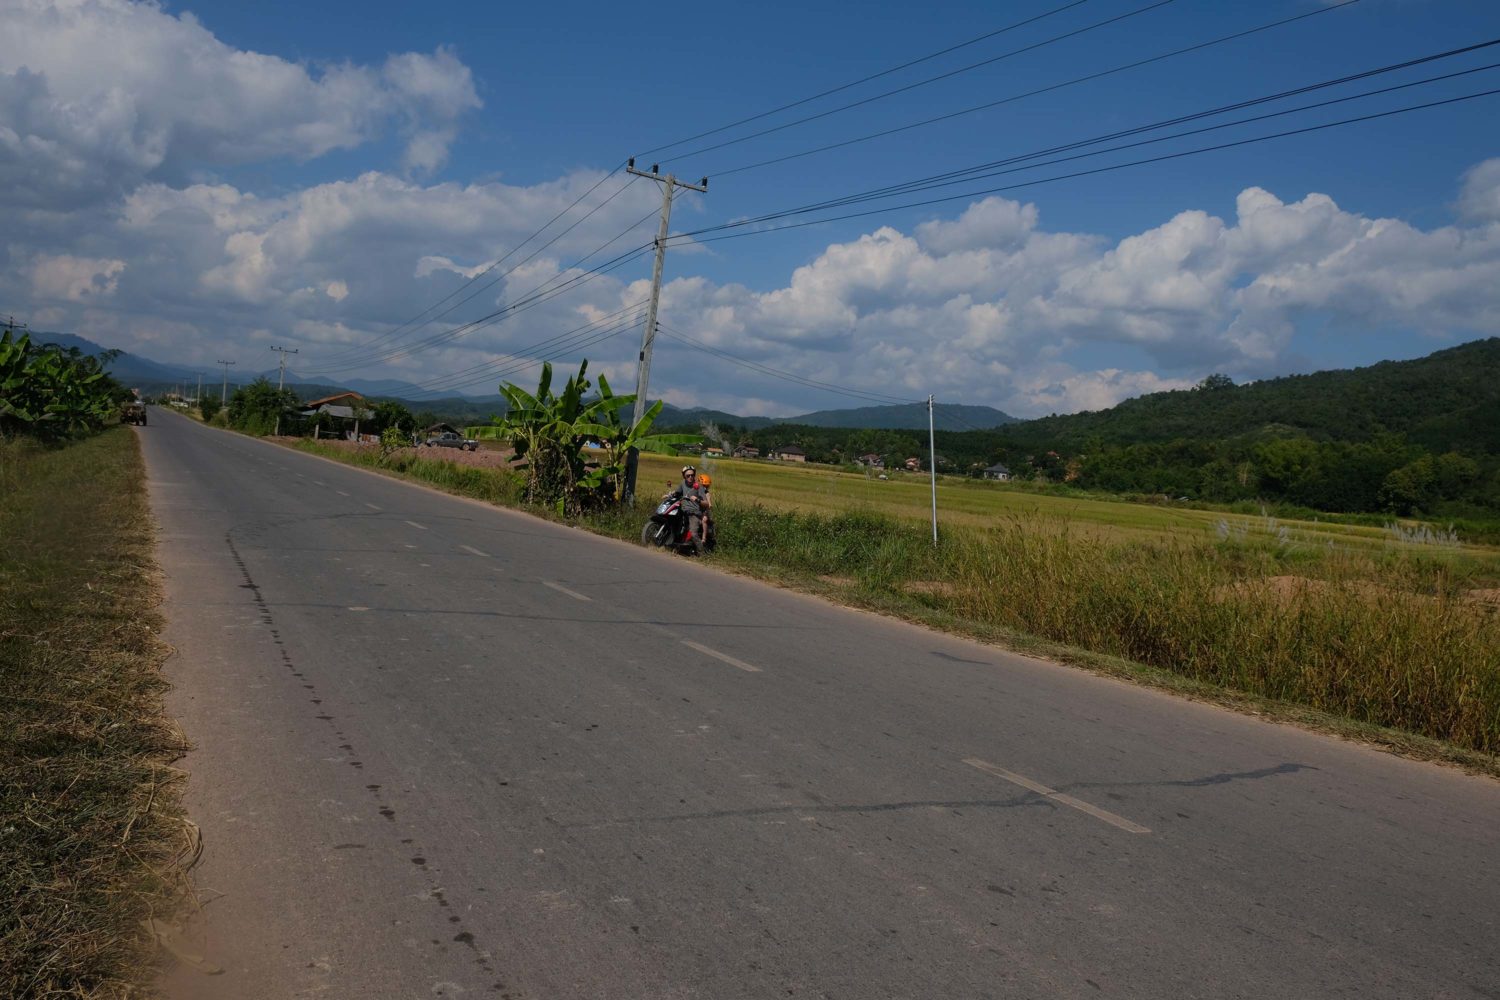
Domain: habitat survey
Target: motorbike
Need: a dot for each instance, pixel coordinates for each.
(667, 528)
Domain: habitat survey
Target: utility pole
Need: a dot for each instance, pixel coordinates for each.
(12, 326)
(224, 392)
(932, 463)
(281, 380)
(199, 400)
(648, 336)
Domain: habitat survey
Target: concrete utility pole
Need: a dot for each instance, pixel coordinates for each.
(648, 336)
(199, 400)
(281, 380)
(932, 463)
(224, 392)
(12, 326)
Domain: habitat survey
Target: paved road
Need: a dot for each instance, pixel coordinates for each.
(446, 750)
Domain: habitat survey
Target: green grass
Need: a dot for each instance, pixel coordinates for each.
(92, 836)
(1376, 637)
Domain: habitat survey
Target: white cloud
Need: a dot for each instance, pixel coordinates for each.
(1480, 197)
(97, 95)
(76, 279)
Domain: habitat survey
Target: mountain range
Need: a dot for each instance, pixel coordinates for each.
(155, 376)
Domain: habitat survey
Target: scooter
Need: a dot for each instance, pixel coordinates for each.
(667, 528)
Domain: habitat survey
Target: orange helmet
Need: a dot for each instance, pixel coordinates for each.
(704, 479)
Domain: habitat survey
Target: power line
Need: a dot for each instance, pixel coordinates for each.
(562, 350)
(865, 79)
(535, 296)
(1033, 93)
(696, 235)
(485, 369)
(974, 172)
(984, 170)
(1156, 4)
(340, 356)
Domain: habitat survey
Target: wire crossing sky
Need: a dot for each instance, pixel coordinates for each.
(1046, 207)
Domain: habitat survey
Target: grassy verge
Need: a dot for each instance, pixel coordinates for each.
(92, 836)
(1395, 645)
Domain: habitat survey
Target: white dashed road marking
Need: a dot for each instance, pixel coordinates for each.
(1056, 796)
(706, 651)
(470, 548)
(564, 590)
(414, 524)
(371, 506)
(341, 493)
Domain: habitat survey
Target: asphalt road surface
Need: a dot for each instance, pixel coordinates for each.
(448, 750)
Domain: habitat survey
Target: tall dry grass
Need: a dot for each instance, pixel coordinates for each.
(92, 835)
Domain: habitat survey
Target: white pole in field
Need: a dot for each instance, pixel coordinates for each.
(932, 466)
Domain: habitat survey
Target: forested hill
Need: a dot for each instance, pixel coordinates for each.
(1449, 400)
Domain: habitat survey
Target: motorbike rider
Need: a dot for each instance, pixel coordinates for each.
(695, 503)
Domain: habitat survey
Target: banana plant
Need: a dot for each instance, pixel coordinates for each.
(548, 432)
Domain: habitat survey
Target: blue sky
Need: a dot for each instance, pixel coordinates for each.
(479, 121)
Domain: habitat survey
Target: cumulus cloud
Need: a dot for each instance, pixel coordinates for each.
(98, 95)
(75, 279)
(1480, 198)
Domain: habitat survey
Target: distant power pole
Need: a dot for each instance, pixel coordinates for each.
(200, 388)
(281, 380)
(224, 392)
(648, 336)
(12, 326)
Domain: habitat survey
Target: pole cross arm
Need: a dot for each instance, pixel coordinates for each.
(670, 179)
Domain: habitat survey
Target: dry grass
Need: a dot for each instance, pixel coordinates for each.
(93, 842)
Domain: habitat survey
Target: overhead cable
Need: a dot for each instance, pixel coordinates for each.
(1035, 92)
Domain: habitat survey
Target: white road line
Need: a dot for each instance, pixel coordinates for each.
(750, 667)
(341, 493)
(414, 524)
(1056, 796)
(317, 482)
(470, 548)
(371, 506)
(564, 590)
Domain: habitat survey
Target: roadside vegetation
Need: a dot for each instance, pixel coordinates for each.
(54, 394)
(93, 842)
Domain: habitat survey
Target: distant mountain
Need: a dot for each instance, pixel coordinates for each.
(128, 368)
(673, 416)
(907, 416)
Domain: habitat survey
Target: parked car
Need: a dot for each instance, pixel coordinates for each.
(133, 412)
(448, 439)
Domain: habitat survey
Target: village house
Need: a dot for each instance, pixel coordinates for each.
(713, 452)
(789, 453)
(913, 464)
(745, 451)
(871, 461)
(997, 472)
(345, 408)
